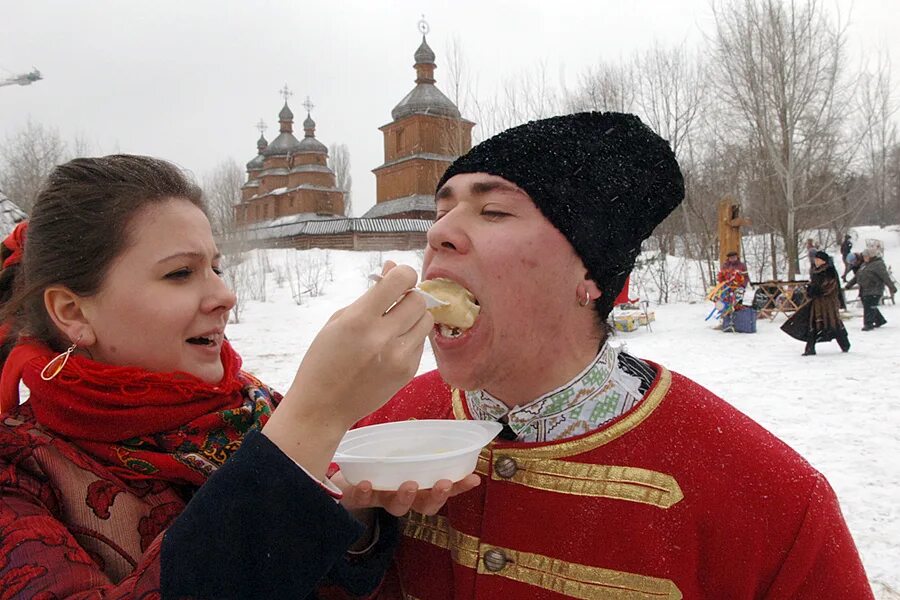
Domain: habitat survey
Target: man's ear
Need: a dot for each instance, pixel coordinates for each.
(591, 286)
(66, 310)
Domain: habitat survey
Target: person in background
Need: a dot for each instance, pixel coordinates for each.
(872, 278)
(145, 462)
(854, 262)
(614, 477)
(811, 249)
(734, 277)
(846, 248)
(819, 320)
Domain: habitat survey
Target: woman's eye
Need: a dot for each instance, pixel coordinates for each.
(218, 271)
(179, 274)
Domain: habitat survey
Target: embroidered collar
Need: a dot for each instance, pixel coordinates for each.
(600, 393)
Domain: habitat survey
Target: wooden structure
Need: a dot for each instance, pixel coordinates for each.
(426, 134)
(304, 232)
(289, 176)
(730, 222)
(779, 297)
(290, 198)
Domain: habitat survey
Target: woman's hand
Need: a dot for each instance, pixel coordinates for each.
(407, 497)
(367, 351)
(361, 357)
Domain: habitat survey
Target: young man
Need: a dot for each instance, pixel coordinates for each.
(614, 477)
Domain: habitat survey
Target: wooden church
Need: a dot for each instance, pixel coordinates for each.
(291, 198)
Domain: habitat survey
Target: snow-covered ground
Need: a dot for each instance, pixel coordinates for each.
(840, 411)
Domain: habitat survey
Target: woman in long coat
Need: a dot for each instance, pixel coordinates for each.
(819, 319)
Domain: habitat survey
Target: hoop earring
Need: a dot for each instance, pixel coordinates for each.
(56, 364)
(587, 299)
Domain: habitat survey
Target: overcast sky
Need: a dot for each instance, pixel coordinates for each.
(187, 80)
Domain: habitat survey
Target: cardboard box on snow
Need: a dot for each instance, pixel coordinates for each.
(629, 320)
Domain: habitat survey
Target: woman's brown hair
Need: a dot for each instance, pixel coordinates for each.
(78, 227)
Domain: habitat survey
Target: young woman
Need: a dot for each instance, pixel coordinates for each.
(145, 461)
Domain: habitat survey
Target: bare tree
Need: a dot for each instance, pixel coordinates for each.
(26, 158)
(878, 130)
(237, 271)
(669, 92)
(459, 82)
(307, 271)
(523, 97)
(671, 88)
(222, 191)
(779, 68)
(605, 86)
(893, 179)
(339, 161)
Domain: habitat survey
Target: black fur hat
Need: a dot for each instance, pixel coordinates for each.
(605, 180)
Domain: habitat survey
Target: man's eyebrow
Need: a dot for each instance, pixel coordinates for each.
(445, 192)
(479, 188)
(483, 187)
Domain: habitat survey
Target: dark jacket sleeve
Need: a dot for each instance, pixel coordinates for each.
(259, 528)
(354, 577)
(882, 273)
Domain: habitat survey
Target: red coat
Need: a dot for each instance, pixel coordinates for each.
(682, 497)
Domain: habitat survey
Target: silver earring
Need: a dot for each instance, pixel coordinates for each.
(587, 299)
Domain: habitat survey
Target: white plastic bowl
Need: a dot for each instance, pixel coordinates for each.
(423, 451)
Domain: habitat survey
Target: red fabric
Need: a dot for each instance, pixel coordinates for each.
(143, 424)
(623, 298)
(15, 241)
(15, 363)
(70, 527)
(755, 519)
(734, 275)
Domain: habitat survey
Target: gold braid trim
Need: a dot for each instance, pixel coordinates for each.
(563, 577)
(607, 481)
(589, 442)
(581, 581)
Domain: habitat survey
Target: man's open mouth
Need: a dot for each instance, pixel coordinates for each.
(460, 310)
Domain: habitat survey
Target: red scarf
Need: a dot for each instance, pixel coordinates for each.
(140, 424)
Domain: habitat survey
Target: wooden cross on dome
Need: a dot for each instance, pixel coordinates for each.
(261, 126)
(308, 105)
(285, 93)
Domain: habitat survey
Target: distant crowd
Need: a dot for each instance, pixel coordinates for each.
(816, 306)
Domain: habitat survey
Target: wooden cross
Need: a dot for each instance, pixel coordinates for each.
(285, 92)
(261, 126)
(308, 105)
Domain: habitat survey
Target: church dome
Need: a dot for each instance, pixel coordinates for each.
(256, 163)
(424, 54)
(285, 143)
(311, 144)
(425, 98)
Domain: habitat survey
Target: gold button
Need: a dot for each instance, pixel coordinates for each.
(505, 466)
(494, 560)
